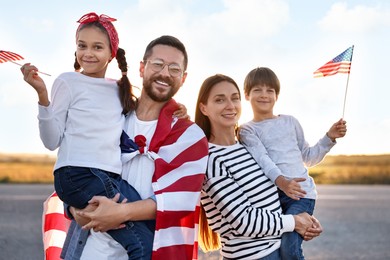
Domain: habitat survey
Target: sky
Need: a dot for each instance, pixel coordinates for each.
(292, 37)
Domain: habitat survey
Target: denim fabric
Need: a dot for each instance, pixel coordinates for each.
(75, 186)
(76, 239)
(291, 247)
(275, 255)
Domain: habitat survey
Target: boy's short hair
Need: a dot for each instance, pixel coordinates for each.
(261, 76)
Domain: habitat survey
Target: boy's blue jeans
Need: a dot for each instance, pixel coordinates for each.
(291, 247)
(75, 186)
(275, 255)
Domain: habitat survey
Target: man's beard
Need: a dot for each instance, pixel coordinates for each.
(147, 85)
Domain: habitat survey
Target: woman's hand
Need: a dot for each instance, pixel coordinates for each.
(303, 221)
(313, 231)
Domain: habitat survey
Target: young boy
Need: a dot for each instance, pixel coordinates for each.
(278, 144)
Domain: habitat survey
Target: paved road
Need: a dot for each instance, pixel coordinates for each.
(356, 220)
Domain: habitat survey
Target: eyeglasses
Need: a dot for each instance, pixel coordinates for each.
(173, 68)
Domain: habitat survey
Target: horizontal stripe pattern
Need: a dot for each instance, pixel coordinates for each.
(179, 173)
(54, 225)
(241, 203)
(340, 64)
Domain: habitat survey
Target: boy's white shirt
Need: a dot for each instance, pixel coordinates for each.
(287, 149)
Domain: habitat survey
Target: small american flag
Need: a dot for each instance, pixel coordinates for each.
(340, 64)
(12, 57)
(9, 56)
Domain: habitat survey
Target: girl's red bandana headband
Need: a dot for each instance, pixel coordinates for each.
(106, 22)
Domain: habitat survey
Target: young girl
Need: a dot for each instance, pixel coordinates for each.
(84, 120)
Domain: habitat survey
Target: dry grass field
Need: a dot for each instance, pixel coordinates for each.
(353, 169)
(341, 169)
(24, 168)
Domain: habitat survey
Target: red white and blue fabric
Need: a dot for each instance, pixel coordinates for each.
(176, 183)
(9, 56)
(54, 227)
(340, 64)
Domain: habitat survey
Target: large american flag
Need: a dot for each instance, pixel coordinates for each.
(9, 56)
(340, 64)
(180, 152)
(54, 227)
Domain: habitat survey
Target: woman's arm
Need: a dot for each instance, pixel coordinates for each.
(314, 231)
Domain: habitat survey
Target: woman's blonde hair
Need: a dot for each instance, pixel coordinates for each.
(208, 239)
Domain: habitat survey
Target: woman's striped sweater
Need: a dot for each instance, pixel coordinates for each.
(242, 204)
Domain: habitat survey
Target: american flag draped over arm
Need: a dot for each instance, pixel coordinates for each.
(182, 151)
(339, 64)
(179, 149)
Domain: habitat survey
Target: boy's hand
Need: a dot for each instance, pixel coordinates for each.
(337, 130)
(291, 187)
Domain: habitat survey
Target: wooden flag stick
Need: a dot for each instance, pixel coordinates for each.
(22, 65)
(345, 96)
(346, 88)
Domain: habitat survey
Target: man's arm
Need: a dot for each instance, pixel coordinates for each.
(110, 215)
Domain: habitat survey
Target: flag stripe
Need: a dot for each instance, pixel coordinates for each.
(53, 221)
(53, 253)
(54, 238)
(9, 56)
(339, 64)
(55, 226)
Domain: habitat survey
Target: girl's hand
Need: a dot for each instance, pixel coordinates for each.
(181, 113)
(30, 75)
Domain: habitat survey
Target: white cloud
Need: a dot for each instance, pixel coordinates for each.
(250, 18)
(359, 18)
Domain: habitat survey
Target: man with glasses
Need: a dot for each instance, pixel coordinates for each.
(167, 169)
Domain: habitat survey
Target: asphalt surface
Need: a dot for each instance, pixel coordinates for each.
(356, 222)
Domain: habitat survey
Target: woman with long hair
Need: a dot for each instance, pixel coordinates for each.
(240, 211)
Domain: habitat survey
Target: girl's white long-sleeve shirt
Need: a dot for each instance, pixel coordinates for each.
(84, 120)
